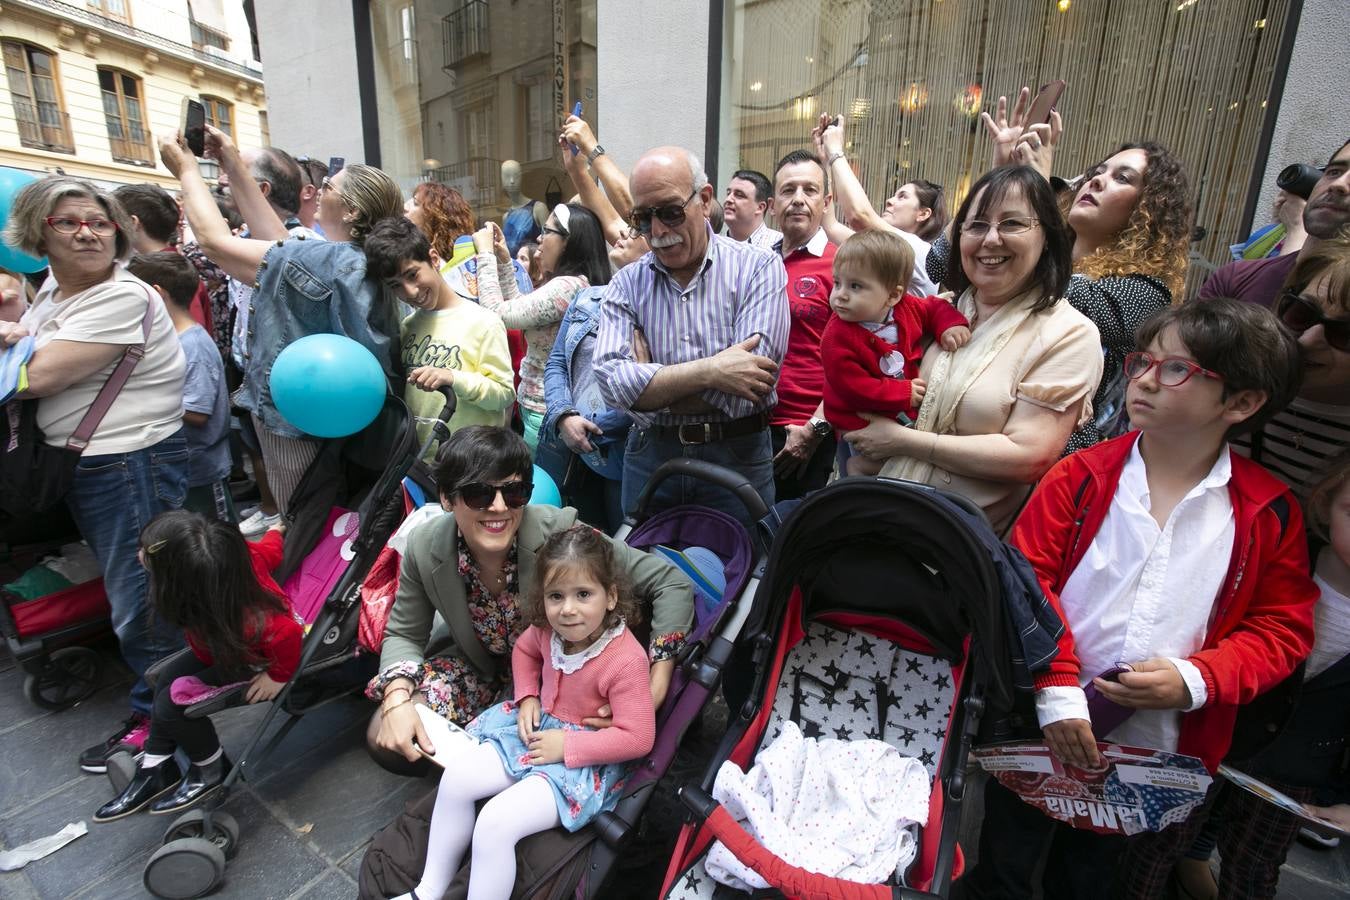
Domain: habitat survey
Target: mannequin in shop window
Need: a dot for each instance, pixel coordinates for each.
(525, 219)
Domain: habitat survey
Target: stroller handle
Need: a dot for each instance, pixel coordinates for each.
(713, 474)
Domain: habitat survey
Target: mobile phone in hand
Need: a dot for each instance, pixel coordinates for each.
(1045, 101)
(194, 126)
(336, 164)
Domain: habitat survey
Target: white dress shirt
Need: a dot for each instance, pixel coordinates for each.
(1141, 592)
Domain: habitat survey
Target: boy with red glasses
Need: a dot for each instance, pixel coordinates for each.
(1164, 551)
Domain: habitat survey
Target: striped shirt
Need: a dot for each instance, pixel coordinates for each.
(764, 237)
(1297, 444)
(738, 292)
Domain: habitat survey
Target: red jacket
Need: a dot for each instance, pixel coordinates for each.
(852, 357)
(279, 642)
(1262, 624)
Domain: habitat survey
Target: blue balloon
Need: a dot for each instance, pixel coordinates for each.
(11, 182)
(545, 491)
(327, 385)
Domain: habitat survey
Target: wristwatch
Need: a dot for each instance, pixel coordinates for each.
(834, 156)
(819, 427)
(595, 154)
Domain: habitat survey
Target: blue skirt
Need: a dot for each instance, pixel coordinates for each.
(581, 793)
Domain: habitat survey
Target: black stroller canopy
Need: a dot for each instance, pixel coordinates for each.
(893, 550)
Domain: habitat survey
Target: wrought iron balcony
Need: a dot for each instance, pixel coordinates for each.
(465, 33)
(477, 178)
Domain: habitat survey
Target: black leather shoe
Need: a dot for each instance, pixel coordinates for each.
(199, 783)
(144, 787)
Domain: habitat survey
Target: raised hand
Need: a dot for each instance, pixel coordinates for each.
(1004, 130)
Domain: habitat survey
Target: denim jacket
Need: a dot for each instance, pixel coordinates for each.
(309, 287)
(582, 318)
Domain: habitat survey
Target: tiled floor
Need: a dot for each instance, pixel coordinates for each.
(305, 821)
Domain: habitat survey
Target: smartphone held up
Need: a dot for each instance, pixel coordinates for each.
(194, 126)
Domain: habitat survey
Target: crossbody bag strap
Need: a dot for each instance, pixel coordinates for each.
(84, 432)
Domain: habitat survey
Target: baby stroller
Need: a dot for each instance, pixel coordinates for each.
(880, 615)
(197, 844)
(557, 864)
(45, 634)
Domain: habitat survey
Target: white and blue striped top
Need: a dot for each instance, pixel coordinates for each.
(739, 291)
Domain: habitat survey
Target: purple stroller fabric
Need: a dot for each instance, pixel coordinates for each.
(694, 526)
(682, 527)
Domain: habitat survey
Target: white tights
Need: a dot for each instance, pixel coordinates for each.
(517, 809)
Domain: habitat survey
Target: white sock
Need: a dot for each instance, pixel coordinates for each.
(220, 751)
(527, 807)
(149, 761)
(470, 776)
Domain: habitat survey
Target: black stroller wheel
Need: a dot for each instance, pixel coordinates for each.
(70, 675)
(224, 830)
(189, 867)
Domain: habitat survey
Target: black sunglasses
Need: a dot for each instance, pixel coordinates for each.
(1299, 313)
(670, 214)
(480, 495)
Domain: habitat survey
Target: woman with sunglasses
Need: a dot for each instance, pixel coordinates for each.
(998, 411)
(472, 567)
(1315, 305)
(85, 318)
(571, 258)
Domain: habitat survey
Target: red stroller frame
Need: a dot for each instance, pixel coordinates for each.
(865, 558)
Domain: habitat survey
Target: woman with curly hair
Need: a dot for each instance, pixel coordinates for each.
(444, 217)
(1131, 222)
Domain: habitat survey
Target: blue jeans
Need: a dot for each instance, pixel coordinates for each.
(597, 499)
(751, 455)
(114, 496)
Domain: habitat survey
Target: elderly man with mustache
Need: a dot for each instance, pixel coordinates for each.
(690, 340)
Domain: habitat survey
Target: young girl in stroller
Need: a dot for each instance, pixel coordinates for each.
(576, 656)
(217, 587)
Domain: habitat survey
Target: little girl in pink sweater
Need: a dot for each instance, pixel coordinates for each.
(536, 761)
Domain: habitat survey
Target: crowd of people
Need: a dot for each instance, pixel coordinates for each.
(1154, 456)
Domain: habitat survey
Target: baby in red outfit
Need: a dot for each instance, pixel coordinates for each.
(875, 340)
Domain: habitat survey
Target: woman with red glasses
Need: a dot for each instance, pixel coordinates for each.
(85, 320)
(472, 567)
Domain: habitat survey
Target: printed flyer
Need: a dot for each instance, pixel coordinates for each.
(1135, 790)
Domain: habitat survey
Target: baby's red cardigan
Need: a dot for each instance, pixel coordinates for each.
(852, 357)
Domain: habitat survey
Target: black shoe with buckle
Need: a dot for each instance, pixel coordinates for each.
(199, 782)
(144, 787)
(130, 736)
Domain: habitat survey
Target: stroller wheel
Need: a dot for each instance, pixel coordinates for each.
(224, 830)
(190, 867)
(70, 675)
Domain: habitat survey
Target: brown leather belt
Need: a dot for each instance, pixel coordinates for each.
(712, 432)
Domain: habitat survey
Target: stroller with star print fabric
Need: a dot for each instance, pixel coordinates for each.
(880, 616)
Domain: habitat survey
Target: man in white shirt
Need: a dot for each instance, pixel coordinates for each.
(743, 210)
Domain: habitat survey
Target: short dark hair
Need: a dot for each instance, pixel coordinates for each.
(481, 453)
(153, 206)
(585, 251)
(799, 156)
(763, 187)
(279, 169)
(882, 254)
(392, 242)
(1056, 263)
(170, 270)
(1241, 342)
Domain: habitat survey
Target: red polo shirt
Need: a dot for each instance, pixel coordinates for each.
(801, 379)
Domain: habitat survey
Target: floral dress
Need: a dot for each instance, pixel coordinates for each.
(453, 687)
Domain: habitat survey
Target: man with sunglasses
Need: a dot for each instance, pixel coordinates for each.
(1326, 213)
(690, 339)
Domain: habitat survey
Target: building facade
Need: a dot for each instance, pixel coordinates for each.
(89, 86)
(449, 89)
